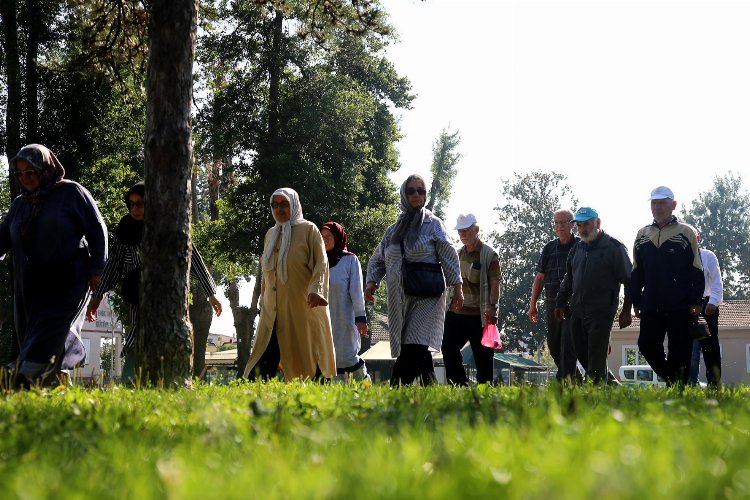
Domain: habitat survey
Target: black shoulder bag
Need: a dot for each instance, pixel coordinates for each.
(421, 279)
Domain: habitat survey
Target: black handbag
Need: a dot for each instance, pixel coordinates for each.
(698, 328)
(421, 279)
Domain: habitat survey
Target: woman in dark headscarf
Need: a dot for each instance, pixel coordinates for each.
(59, 245)
(346, 303)
(125, 263)
(415, 324)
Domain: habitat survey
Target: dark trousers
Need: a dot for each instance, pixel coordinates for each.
(460, 328)
(589, 334)
(559, 343)
(710, 348)
(673, 367)
(414, 362)
(267, 366)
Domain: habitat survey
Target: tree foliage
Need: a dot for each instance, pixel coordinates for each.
(722, 217)
(444, 160)
(525, 215)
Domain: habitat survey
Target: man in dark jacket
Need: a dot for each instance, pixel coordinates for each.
(666, 287)
(596, 268)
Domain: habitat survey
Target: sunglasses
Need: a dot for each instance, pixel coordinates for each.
(419, 191)
(283, 204)
(20, 174)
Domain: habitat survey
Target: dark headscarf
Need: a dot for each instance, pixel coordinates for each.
(410, 220)
(130, 231)
(339, 242)
(51, 174)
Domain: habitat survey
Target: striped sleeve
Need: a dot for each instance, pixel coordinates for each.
(198, 268)
(112, 270)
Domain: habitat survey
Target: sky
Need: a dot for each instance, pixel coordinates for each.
(619, 96)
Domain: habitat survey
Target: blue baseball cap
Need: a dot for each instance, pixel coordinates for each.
(585, 213)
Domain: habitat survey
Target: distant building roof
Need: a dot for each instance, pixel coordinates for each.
(732, 313)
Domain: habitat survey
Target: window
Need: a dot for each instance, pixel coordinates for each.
(646, 375)
(87, 345)
(632, 356)
(628, 374)
(747, 357)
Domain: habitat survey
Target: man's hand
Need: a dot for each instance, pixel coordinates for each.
(560, 313)
(91, 309)
(94, 280)
(533, 313)
(695, 309)
(711, 309)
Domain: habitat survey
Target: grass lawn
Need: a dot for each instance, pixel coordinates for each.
(299, 440)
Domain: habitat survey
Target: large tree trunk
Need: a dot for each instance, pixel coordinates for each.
(32, 20)
(163, 354)
(9, 19)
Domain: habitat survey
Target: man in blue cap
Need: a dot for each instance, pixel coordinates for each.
(595, 270)
(667, 287)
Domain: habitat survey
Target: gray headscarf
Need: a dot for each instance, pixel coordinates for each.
(285, 231)
(410, 221)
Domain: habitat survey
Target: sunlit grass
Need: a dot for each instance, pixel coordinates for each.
(310, 441)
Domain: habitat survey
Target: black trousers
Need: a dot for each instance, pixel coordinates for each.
(590, 337)
(560, 343)
(673, 367)
(267, 366)
(414, 363)
(711, 350)
(460, 328)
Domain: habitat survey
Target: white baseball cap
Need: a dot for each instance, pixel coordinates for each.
(661, 192)
(465, 221)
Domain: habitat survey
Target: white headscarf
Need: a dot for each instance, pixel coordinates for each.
(285, 230)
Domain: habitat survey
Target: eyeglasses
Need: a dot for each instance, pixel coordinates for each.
(283, 204)
(137, 204)
(20, 174)
(560, 223)
(419, 191)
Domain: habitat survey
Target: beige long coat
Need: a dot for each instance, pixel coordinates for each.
(304, 334)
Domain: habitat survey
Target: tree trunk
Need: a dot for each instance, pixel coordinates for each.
(243, 326)
(163, 349)
(32, 20)
(8, 14)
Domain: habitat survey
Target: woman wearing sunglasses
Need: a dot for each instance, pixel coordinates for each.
(294, 329)
(415, 324)
(125, 262)
(59, 245)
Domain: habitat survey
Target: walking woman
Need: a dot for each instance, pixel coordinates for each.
(294, 327)
(59, 245)
(415, 324)
(125, 263)
(346, 303)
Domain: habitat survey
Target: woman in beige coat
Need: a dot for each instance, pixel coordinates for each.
(295, 325)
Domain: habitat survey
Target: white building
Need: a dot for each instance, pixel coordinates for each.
(107, 331)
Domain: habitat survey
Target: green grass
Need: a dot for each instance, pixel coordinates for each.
(309, 441)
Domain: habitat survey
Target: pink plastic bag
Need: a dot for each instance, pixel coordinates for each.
(491, 336)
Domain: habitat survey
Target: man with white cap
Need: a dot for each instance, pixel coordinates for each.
(595, 270)
(480, 271)
(666, 287)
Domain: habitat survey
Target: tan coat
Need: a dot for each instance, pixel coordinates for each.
(305, 338)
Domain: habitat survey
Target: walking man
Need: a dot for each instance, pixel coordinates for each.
(596, 268)
(666, 287)
(480, 272)
(713, 296)
(550, 270)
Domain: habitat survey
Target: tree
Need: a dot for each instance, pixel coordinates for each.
(444, 160)
(163, 348)
(530, 200)
(722, 217)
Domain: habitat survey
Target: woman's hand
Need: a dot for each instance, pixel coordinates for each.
(361, 328)
(315, 300)
(370, 291)
(215, 304)
(91, 309)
